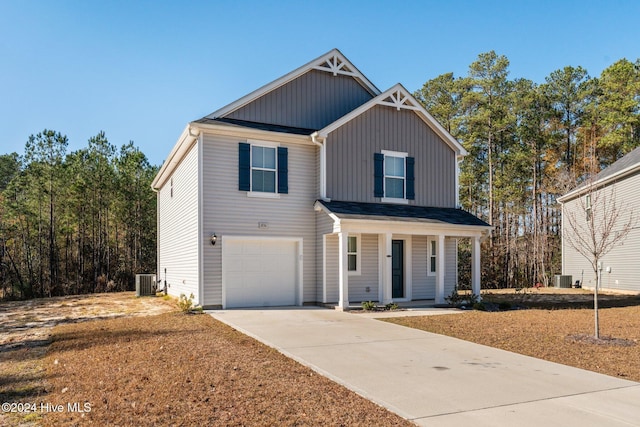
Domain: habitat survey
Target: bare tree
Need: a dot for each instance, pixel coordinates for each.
(596, 224)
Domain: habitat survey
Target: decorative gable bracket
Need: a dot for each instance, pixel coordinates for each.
(335, 64)
(399, 100)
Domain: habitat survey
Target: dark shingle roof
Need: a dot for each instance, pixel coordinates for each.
(257, 125)
(404, 212)
(630, 159)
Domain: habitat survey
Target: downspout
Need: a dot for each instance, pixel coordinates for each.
(323, 165)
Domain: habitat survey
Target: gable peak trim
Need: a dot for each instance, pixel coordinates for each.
(333, 61)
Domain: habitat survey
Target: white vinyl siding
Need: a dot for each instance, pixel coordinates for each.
(364, 287)
(228, 211)
(424, 285)
(178, 229)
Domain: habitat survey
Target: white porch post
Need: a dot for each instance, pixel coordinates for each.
(475, 265)
(386, 267)
(440, 271)
(324, 268)
(343, 272)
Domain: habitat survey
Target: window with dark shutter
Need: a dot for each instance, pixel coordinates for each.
(378, 175)
(283, 171)
(411, 191)
(244, 166)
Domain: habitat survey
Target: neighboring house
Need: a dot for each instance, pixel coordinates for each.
(621, 266)
(316, 188)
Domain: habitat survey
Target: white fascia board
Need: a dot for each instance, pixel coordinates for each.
(417, 107)
(410, 228)
(596, 185)
(314, 64)
(185, 141)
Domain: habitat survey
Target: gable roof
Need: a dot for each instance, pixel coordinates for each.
(333, 62)
(387, 211)
(400, 98)
(624, 166)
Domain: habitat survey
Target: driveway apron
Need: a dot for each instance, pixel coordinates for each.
(435, 380)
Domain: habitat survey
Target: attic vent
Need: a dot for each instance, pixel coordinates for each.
(145, 285)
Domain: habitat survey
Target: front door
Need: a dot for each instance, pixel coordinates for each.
(397, 268)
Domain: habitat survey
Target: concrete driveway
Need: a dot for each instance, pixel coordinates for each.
(436, 380)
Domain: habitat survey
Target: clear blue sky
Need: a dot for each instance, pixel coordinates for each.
(141, 70)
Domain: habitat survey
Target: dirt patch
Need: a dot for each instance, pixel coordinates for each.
(25, 334)
(29, 323)
(549, 335)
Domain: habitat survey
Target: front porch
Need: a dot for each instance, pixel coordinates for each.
(398, 259)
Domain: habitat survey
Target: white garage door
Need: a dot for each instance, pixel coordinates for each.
(259, 273)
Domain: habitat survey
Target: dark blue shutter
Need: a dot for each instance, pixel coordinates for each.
(244, 166)
(411, 188)
(283, 171)
(378, 175)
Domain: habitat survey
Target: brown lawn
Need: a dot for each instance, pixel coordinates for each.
(175, 369)
(137, 367)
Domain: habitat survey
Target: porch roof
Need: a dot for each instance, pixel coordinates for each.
(397, 212)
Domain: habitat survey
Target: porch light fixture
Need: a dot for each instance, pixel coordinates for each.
(214, 239)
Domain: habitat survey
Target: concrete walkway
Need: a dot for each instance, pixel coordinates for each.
(435, 380)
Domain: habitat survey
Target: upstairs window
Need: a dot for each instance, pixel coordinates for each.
(394, 176)
(262, 169)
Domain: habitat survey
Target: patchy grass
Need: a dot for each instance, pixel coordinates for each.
(157, 369)
(177, 369)
(557, 335)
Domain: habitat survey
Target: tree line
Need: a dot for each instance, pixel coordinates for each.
(528, 144)
(73, 223)
(85, 221)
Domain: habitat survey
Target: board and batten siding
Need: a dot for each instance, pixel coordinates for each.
(424, 286)
(178, 229)
(311, 101)
(350, 149)
(624, 259)
(228, 211)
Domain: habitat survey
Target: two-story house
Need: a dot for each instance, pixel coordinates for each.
(316, 188)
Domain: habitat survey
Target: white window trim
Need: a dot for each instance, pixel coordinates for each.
(397, 200)
(358, 253)
(432, 251)
(262, 194)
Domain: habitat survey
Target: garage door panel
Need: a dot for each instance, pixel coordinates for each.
(259, 272)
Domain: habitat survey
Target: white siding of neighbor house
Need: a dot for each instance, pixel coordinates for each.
(228, 211)
(624, 259)
(178, 229)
